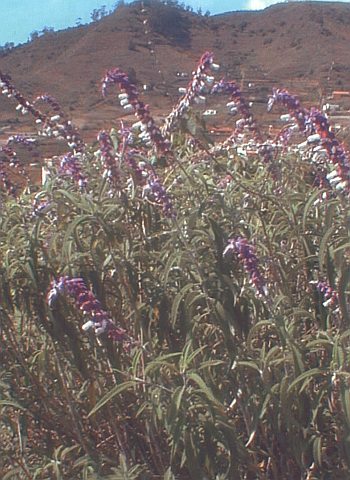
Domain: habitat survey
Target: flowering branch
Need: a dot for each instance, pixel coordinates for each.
(109, 158)
(194, 92)
(159, 195)
(316, 125)
(240, 247)
(85, 300)
(50, 100)
(71, 165)
(50, 125)
(340, 177)
(329, 294)
(9, 157)
(129, 100)
(238, 104)
(292, 103)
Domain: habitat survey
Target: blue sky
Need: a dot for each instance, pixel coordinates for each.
(21, 17)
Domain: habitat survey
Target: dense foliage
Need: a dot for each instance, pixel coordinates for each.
(175, 310)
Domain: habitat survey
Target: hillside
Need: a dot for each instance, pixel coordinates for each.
(303, 46)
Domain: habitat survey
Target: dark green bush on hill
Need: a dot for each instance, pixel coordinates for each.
(171, 22)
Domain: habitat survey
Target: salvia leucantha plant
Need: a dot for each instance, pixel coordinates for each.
(171, 308)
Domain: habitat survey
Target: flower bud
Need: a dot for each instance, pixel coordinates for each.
(87, 325)
(199, 99)
(124, 102)
(128, 108)
(313, 138)
(286, 117)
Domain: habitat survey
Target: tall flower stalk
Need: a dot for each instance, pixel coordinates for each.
(339, 178)
(330, 296)
(292, 103)
(155, 191)
(316, 126)
(109, 158)
(49, 125)
(238, 105)
(150, 134)
(200, 84)
(97, 319)
(245, 253)
(9, 159)
(70, 165)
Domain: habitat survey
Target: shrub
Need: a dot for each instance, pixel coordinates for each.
(172, 309)
(171, 23)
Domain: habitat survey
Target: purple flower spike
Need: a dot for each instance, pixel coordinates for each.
(109, 158)
(292, 103)
(50, 100)
(21, 140)
(329, 294)
(339, 178)
(129, 100)
(316, 126)
(238, 105)
(245, 253)
(8, 158)
(50, 126)
(157, 192)
(84, 299)
(194, 93)
(135, 167)
(70, 165)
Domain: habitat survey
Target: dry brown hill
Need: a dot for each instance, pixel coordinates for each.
(301, 45)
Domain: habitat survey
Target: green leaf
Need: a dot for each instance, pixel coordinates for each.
(308, 375)
(187, 356)
(343, 283)
(175, 404)
(14, 473)
(162, 361)
(177, 301)
(310, 204)
(340, 248)
(345, 399)
(203, 387)
(248, 364)
(11, 403)
(210, 363)
(169, 475)
(116, 390)
(324, 246)
(317, 451)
